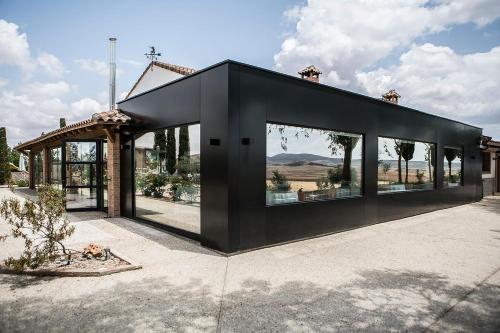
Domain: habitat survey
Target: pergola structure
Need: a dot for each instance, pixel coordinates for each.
(103, 126)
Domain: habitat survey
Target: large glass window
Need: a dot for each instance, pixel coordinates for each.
(55, 167)
(452, 166)
(405, 165)
(167, 177)
(306, 164)
(38, 168)
(81, 175)
(81, 151)
(105, 174)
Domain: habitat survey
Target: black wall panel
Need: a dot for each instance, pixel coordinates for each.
(233, 102)
(214, 163)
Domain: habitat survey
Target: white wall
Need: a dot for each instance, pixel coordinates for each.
(493, 165)
(154, 78)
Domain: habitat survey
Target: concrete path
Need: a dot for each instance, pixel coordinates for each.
(434, 272)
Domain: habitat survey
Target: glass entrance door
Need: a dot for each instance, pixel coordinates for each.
(82, 175)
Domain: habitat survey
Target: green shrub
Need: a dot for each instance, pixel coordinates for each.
(420, 177)
(41, 224)
(154, 185)
(22, 183)
(279, 182)
(334, 174)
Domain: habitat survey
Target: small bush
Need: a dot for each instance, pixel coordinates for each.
(279, 182)
(22, 183)
(154, 185)
(334, 174)
(41, 224)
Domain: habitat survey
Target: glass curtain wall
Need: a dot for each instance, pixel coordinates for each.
(55, 167)
(307, 164)
(104, 175)
(453, 169)
(81, 175)
(167, 177)
(38, 166)
(405, 165)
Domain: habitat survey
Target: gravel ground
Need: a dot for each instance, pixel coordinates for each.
(433, 272)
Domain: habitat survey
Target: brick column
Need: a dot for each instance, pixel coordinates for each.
(45, 166)
(113, 174)
(31, 169)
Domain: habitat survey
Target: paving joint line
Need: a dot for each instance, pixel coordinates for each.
(219, 315)
(461, 299)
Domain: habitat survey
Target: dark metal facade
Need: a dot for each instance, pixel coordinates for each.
(233, 102)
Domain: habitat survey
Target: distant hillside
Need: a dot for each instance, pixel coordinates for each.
(423, 165)
(302, 159)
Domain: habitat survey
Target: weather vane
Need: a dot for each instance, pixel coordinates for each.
(152, 55)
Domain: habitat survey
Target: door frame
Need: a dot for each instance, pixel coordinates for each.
(98, 176)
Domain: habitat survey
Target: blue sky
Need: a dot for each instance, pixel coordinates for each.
(60, 68)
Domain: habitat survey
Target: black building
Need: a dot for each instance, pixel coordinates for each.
(281, 158)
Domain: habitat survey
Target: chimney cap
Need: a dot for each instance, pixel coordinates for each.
(391, 96)
(310, 70)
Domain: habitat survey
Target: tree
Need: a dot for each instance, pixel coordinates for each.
(397, 148)
(429, 157)
(4, 161)
(41, 224)
(183, 142)
(170, 155)
(160, 145)
(346, 143)
(407, 150)
(386, 166)
(62, 122)
(13, 156)
(280, 182)
(450, 155)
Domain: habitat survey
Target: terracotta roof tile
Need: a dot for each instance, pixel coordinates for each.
(106, 117)
(310, 69)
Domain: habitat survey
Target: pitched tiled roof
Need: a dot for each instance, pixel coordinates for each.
(113, 117)
(310, 69)
(489, 142)
(174, 68)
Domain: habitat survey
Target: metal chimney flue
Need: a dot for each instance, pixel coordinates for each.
(112, 72)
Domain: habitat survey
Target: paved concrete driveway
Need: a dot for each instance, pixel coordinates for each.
(434, 272)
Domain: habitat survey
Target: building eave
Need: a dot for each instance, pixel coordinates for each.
(101, 120)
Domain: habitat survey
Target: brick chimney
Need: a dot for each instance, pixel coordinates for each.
(391, 96)
(310, 73)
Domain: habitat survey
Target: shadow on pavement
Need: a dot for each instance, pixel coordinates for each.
(378, 301)
(164, 238)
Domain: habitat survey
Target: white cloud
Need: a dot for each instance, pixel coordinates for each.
(26, 116)
(51, 64)
(123, 95)
(95, 66)
(348, 40)
(14, 48)
(86, 107)
(342, 37)
(132, 62)
(46, 90)
(3, 82)
(435, 79)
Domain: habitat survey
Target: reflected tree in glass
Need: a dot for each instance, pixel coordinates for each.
(407, 150)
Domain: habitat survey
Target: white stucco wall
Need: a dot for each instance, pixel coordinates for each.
(154, 78)
(493, 166)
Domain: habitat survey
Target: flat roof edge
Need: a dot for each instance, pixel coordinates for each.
(298, 79)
